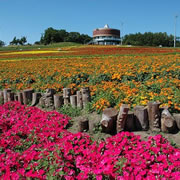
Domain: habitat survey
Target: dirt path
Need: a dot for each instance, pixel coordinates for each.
(96, 133)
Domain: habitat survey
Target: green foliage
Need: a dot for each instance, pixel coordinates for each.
(142, 76)
(119, 165)
(155, 87)
(70, 111)
(21, 41)
(99, 78)
(38, 45)
(84, 39)
(50, 165)
(73, 37)
(79, 78)
(14, 41)
(149, 39)
(97, 128)
(2, 43)
(52, 35)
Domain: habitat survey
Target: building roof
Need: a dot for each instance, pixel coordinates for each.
(106, 26)
(106, 31)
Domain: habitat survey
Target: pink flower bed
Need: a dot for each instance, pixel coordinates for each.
(35, 144)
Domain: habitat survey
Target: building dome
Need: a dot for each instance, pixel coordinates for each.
(106, 26)
(106, 36)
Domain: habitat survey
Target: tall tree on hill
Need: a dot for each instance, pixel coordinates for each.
(52, 35)
(14, 41)
(48, 35)
(23, 40)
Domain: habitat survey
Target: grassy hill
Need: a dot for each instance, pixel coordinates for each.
(31, 47)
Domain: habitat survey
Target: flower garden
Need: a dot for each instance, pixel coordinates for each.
(115, 75)
(36, 145)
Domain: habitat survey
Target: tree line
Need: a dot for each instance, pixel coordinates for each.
(150, 39)
(52, 35)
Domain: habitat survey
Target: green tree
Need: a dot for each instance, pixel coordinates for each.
(23, 40)
(62, 34)
(149, 39)
(52, 35)
(73, 37)
(85, 38)
(14, 41)
(37, 42)
(1, 43)
(47, 37)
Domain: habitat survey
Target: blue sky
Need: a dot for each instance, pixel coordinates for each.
(31, 17)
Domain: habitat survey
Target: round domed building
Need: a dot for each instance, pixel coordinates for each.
(106, 36)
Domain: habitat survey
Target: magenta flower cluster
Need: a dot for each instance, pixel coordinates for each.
(35, 144)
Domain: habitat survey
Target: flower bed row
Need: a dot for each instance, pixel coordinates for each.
(113, 80)
(35, 144)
